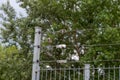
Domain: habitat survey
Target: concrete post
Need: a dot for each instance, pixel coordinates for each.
(87, 72)
(36, 54)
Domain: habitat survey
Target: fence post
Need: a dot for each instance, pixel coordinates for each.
(36, 67)
(87, 72)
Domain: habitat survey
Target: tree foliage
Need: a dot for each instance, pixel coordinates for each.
(78, 23)
(13, 65)
(16, 30)
(89, 28)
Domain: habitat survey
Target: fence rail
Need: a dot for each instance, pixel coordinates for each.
(89, 73)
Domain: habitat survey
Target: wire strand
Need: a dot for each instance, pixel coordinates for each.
(91, 29)
(66, 61)
(91, 45)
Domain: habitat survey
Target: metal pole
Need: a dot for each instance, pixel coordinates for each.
(36, 67)
(87, 72)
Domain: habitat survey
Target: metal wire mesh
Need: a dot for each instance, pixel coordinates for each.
(99, 73)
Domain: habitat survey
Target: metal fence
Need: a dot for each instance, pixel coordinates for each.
(85, 73)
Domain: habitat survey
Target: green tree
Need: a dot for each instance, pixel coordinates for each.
(80, 24)
(74, 22)
(69, 22)
(16, 30)
(13, 65)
